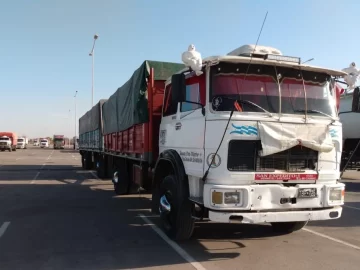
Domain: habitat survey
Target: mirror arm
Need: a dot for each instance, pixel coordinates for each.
(197, 103)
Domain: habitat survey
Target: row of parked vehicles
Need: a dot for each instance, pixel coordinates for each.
(42, 142)
(10, 142)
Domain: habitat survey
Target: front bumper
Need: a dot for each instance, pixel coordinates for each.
(286, 216)
(5, 146)
(273, 202)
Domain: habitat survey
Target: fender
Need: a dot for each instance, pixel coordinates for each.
(162, 168)
(173, 158)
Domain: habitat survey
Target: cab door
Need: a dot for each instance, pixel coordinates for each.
(183, 124)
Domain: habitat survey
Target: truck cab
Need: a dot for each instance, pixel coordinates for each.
(5, 143)
(22, 143)
(8, 141)
(59, 142)
(255, 138)
(44, 143)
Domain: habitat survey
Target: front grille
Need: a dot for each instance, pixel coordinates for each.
(243, 156)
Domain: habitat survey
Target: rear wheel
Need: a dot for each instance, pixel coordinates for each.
(288, 227)
(100, 167)
(175, 208)
(83, 161)
(121, 182)
(88, 162)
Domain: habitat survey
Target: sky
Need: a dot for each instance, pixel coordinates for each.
(45, 45)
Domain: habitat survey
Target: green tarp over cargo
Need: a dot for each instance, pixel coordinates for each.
(91, 120)
(128, 106)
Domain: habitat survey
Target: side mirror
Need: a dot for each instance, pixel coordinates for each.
(178, 85)
(356, 100)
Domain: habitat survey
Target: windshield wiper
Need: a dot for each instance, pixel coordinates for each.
(244, 101)
(314, 111)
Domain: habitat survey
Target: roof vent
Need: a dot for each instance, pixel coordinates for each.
(260, 51)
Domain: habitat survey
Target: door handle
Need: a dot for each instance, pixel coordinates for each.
(178, 126)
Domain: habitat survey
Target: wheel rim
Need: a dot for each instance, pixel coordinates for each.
(167, 210)
(115, 178)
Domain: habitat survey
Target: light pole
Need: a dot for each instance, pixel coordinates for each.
(75, 120)
(70, 121)
(92, 74)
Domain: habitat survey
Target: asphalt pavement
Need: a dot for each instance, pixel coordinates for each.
(55, 215)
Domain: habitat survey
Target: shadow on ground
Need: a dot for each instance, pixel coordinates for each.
(76, 223)
(68, 220)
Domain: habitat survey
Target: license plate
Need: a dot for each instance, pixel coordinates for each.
(307, 193)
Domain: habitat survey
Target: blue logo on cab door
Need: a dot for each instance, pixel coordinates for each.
(244, 130)
(333, 133)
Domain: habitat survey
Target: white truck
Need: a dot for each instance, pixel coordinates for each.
(36, 142)
(249, 137)
(349, 117)
(22, 143)
(44, 143)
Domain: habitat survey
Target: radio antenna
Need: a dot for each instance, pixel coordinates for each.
(262, 26)
(251, 56)
(232, 111)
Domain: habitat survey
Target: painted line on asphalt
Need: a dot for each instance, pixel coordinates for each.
(94, 174)
(332, 239)
(351, 207)
(3, 227)
(42, 166)
(47, 160)
(175, 246)
(35, 177)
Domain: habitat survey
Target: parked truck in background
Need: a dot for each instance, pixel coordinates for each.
(22, 143)
(8, 141)
(36, 142)
(252, 137)
(44, 143)
(59, 141)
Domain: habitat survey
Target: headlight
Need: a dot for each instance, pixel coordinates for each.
(232, 198)
(336, 194)
(225, 197)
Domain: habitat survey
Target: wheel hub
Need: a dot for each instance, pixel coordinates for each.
(115, 178)
(165, 207)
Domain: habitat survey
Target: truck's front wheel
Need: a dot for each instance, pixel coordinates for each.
(175, 208)
(288, 227)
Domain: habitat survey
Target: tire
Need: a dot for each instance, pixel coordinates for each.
(83, 162)
(87, 162)
(100, 169)
(122, 186)
(10, 149)
(288, 227)
(178, 223)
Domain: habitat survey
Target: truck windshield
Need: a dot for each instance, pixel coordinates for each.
(43, 141)
(263, 90)
(20, 140)
(4, 139)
